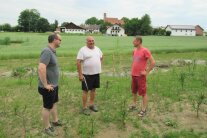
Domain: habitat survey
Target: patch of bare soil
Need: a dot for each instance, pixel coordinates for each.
(113, 132)
(185, 119)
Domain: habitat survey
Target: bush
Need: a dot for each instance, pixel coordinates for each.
(5, 41)
(168, 33)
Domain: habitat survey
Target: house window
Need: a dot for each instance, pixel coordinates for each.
(181, 30)
(176, 30)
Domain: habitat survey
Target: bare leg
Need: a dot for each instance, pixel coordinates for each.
(54, 113)
(92, 96)
(144, 102)
(46, 117)
(84, 99)
(134, 99)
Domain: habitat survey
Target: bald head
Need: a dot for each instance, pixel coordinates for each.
(90, 42)
(89, 38)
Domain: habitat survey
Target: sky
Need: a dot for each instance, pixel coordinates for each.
(162, 12)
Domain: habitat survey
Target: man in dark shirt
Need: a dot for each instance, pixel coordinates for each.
(48, 83)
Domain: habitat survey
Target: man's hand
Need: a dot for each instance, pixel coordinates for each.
(144, 73)
(49, 87)
(81, 77)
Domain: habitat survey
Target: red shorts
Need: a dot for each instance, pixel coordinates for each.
(139, 85)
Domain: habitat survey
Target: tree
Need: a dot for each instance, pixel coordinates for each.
(162, 32)
(103, 27)
(92, 20)
(15, 28)
(28, 20)
(6, 27)
(1, 27)
(54, 25)
(137, 26)
(158, 31)
(125, 19)
(43, 25)
(99, 22)
(132, 27)
(145, 27)
(168, 33)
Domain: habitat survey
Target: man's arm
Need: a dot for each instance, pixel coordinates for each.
(80, 74)
(42, 76)
(151, 66)
(101, 59)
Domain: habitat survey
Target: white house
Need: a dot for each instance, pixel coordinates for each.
(72, 28)
(181, 30)
(115, 30)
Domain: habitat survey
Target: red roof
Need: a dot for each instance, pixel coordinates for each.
(114, 21)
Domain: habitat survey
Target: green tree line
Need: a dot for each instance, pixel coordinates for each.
(30, 20)
(133, 26)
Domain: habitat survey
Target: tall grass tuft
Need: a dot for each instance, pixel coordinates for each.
(197, 101)
(123, 113)
(106, 89)
(22, 116)
(182, 79)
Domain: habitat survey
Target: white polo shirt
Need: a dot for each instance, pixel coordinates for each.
(91, 60)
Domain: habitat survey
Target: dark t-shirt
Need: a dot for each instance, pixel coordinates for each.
(48, 57)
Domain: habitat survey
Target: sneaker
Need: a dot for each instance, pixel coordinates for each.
(85, 112)
(142, 113)
(50, 131)
(132, 108)
(93, 108)
(58, 123)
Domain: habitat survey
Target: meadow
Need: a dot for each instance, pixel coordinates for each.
(177, 88)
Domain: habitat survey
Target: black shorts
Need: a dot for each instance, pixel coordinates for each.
(91, 82)
(49, 97)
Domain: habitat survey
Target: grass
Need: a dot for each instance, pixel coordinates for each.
(34, 42)
(170, 111)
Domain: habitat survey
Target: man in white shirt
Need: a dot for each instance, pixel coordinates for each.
(89, 60)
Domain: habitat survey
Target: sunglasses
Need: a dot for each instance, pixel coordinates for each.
(58, 39)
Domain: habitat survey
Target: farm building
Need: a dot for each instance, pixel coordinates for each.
(72, 28)
(181, 30)
(199, 30)
(91, 28)
(115, 30)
